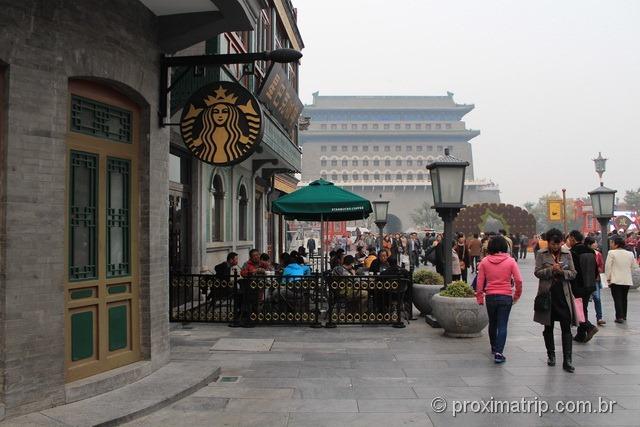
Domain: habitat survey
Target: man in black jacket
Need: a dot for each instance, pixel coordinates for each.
(584, 260)
(225, 269)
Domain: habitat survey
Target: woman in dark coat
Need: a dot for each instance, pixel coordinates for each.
(555, 269)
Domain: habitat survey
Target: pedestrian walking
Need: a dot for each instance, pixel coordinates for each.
(475, 251)
(463, 255)
(516, 246)
(617, 269)
(499, 286)
(584, 284)
(554, 301)
(597, 294)
(524, 246)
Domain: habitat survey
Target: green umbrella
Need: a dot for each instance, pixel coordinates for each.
(322, 201)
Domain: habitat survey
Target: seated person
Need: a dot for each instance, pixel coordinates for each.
(360, 254)
(370, 258)
(346, 268)
(348, 292)
(303, 253)
(337, 259)
(394, 269)
(252, 267)
(381, 263)
(296, 267)
(265, 262)
(226, 268)
(284, 261)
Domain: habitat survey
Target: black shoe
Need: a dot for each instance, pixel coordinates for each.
(551, 361)
(590, 333)
(579, 338)
(566, 365)
(619, 320)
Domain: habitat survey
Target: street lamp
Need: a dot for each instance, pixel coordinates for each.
(602, 202)
(601, 164)
(447, 183)
(380, 211)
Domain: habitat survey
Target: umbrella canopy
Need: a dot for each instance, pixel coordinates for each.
(321, 200)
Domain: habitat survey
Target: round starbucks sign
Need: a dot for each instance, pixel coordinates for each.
(222, 123)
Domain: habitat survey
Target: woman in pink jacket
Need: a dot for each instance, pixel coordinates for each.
(496, 275)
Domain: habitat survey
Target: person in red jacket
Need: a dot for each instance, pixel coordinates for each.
(498, 272)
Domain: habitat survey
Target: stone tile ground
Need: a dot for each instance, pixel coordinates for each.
(380, 376)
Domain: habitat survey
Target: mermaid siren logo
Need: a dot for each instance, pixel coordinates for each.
(222, 123)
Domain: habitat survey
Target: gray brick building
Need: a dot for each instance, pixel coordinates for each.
(85, 185)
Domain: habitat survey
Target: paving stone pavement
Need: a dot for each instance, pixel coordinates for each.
(380, 376)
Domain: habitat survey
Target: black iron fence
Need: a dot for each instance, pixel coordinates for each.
(298, 300)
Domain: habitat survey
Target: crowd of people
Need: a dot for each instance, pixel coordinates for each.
(571, 273)
(570, 268)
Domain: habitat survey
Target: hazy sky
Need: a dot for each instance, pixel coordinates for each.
(553, 81)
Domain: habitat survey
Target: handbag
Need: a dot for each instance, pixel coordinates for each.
(579, 310)
(542, 303)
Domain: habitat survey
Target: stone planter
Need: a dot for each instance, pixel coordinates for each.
(460, 317)
(422, 295)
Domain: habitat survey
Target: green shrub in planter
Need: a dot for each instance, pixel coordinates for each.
(458, 289)
(427, 277)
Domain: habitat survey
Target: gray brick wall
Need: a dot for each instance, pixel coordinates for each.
(44, 44)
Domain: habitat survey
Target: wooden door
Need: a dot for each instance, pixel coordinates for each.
(101, 287)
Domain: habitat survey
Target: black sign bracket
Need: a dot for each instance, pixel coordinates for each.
(194, 61)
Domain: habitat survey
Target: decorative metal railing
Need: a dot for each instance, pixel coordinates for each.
(295, 300)
(366, 300)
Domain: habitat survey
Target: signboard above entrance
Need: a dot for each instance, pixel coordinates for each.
(222, 123)
(280, 97)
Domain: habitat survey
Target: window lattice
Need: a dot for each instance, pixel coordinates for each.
(100, 120)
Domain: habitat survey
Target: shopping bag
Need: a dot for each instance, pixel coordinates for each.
(579, 309)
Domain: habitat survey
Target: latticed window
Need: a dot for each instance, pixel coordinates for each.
(83, 204)
(243, 211)
(217, 209)
(376, 176)
(409, 176)
(118, 200)
(100, 120)
(345, 177)
(376, 163)
(387, 162)
(387, 176)
(365, 176)
(420, 177)
(355, 176)
(399, 177)
(334, 177)
(398, 162)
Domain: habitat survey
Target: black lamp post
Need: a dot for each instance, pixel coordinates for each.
(380, 212)
(602, 202)
(447, 183)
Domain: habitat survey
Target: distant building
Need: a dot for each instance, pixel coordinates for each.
(380, 146)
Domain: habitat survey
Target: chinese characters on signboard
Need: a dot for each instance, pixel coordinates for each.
(280, 97)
